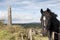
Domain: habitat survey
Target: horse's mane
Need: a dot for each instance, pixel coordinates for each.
(53, 14)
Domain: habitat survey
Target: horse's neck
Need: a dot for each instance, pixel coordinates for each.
(59, 26)
(55, 22)
(55, 25)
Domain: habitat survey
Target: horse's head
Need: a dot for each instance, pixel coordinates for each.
(45, 20)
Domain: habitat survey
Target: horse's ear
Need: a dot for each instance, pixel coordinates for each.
(48, 10)
(41, 11)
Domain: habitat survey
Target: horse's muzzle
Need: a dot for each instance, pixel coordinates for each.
(44, 32)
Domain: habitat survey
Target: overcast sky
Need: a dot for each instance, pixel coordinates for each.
(27, 11)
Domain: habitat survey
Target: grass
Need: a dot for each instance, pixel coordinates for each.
(4, 35)
(14, 33)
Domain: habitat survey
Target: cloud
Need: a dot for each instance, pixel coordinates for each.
(29, 10)
(3, 15)
(26, 18)
(20, 17)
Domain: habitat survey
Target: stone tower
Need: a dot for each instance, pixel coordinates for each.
(9, 16)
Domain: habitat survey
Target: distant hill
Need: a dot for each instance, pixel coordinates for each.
(35, 25)
(29, 25)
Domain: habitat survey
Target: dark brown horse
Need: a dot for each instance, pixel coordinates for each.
(49, 23)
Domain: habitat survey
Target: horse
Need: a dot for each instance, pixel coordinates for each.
(50, 24)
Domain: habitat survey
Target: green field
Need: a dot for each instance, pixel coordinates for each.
(14, 32)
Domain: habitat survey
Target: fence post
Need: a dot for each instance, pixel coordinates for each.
(22, 36)
(53, 35)
(30, 34)
(9, 17)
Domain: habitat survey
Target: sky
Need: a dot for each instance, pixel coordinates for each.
(27, 11)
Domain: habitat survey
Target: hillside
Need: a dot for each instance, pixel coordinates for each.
(28, 25)
(19, 31)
